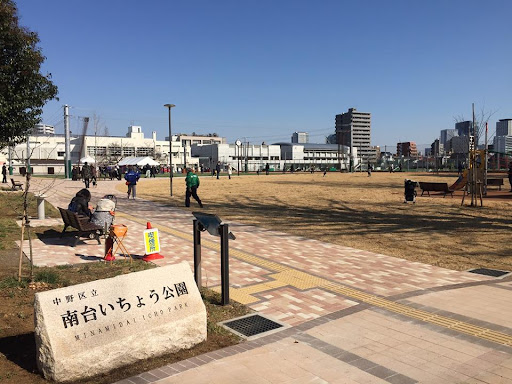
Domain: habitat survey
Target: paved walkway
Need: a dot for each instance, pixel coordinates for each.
(353, 316)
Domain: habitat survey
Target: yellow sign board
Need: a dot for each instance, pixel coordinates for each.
(151, 241)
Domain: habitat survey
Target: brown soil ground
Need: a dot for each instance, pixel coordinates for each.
(362, 212)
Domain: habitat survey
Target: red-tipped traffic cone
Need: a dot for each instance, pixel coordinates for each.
(109, 244)
(152, 256)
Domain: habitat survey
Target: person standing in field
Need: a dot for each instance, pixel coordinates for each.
(4, 174)
(192, 183)
(217, 169)
(131, 178)
(510, 175)
(230, 172)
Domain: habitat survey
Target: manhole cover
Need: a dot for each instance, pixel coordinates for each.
(252, 325)
(489, 272)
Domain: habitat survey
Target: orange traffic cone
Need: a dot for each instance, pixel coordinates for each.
(151, 256)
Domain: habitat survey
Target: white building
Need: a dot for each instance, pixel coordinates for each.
(243, 157)
(278, 156)
(47, 153)
(303, 156)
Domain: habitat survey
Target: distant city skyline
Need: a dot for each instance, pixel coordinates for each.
(265, 70)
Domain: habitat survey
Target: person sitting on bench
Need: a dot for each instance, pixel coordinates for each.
(80, 203)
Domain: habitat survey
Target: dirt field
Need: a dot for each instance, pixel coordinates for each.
(362, 212)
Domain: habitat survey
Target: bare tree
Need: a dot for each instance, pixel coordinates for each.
(43, 189)
(481, 120)
(114, 153)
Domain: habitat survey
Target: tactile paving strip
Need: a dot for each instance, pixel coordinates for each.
(302, 280)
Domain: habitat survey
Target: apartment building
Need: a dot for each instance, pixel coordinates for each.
(406, 149)
(353, 129)
(300, 137)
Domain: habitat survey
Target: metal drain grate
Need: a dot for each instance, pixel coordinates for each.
(252, 325)
(489, 272)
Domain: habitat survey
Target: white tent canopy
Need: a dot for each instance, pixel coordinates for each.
(87, 159)
(140, 161)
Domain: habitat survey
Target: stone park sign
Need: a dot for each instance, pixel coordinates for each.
(87, 329)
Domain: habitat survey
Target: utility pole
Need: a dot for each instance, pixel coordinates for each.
(184, 154)
(339, 148)
(67, 165)
(246, 157)
(351, 154)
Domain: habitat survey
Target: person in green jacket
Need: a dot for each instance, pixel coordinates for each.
(192, 182)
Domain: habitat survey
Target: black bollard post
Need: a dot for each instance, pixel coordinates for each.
(197, 254)
(224, 262)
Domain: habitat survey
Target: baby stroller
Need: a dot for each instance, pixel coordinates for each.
(410, 192)
(103, 215)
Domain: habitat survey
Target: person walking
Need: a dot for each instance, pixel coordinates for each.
(192, 183)
(370, 168)
(510, 175)
(4, 174)
(217, 169)
(86, 174)
(230, 172)
(94, 175)
(131, 178)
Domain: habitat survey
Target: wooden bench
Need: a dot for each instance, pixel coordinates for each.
(85, 228)
(495, 182)
(427, 186)
(16, 185)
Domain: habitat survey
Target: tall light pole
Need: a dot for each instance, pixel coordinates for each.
(169, 106)
(238, 143)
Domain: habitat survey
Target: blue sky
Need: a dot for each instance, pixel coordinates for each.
(264, 69)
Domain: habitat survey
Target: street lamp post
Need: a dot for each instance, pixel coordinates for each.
(184, 154)
(238, 143)
(169, 106)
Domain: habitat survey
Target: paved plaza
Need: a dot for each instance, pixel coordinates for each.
(352, 316)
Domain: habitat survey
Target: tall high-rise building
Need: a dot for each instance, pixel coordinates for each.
(446, 135)
(503, 144)
(353, 129)
(504, 127)
(464, 128)
(458, 144)
(300, 137)
(437, 148)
